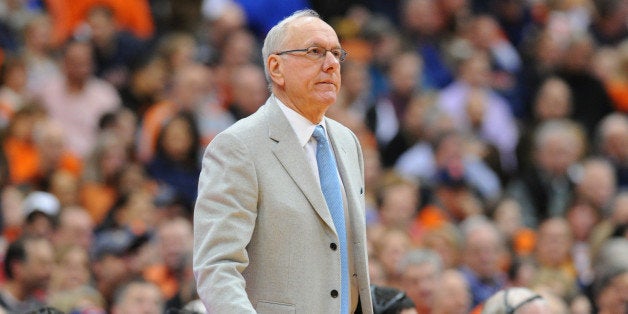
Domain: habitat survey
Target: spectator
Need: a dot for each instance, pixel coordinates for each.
(413, 131)
(445, 240)
(557, 272)
(597, 184)
(65, 186)
(76, 228)
(71, 269)
(41, 212)
(547, 188)
(101, 177)
(498, 125)
(146, 84)
(421, 272)
(449, 160)
(78, 90)
(114, 49)
(591, 102)
(27, 266)
(137, 297)
(390, 247)
(111, 258)
(483, 254)
(612, 141)
(452, 295)
(508, 217)
(53, 153)
(610, 291)
(37, 52)
(188, 92)
(173, 272)
(424, 24)
(67, 17)
(387, 112)
(19, 148)
(248, 90)
(176, 164)
(398, 203)
(617, 82)
(13, 88)
(355, 94)
(84, 299)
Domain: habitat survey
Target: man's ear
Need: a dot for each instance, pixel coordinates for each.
(275, 70)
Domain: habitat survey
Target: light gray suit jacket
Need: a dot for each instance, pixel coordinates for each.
(262, 232)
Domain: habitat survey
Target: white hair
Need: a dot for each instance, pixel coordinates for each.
(275, 37)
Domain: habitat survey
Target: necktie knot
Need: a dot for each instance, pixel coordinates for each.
(319, 134)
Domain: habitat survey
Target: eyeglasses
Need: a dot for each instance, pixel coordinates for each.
(511, 309)
(316, 53)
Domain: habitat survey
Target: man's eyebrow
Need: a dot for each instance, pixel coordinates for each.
(318, 44)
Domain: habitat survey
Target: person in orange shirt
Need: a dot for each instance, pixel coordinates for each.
(173, 273)
(68, 15)
(35, 148)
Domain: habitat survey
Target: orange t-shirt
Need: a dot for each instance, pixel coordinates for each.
(97, 199)
(67, 15)
(22, 159)
(160, 275)
(618, 91)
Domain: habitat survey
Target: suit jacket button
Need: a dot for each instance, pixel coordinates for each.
(333, 246)
(334, 293)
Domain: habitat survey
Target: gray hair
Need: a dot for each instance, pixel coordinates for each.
(419, 257)
(275, 37)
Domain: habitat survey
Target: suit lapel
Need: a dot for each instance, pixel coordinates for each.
(342, 160)
(292, 157)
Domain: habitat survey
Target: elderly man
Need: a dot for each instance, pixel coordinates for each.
(279, 223)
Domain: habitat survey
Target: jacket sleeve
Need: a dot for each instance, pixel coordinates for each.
(224, 221)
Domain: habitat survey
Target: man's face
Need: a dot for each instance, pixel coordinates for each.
(140, 298)
(309, 86)
(38, 265)
(420, 282)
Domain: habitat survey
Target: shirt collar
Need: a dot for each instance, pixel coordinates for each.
(301, 126)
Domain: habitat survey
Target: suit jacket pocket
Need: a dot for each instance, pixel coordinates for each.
(274, 307)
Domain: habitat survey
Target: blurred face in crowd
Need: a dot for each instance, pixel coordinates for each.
(177, 139)
(139, 298)
(392, 246)
(483, 251)
(249, 88)
(78, 63)
(598, 183)
(553, 100)
(554, 242)
(72, 269)
(558, 151)
(36, 270)
(613, 298)
(399, 204)
(420, 283)
(452, 294)
(175, 238)
(76, 227)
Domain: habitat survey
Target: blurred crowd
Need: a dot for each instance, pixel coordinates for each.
(495, 136)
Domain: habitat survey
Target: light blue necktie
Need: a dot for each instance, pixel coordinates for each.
(332, 190)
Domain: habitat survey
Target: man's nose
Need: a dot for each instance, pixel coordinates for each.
(330, 62)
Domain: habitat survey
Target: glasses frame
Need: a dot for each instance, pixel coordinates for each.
(310, 54)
